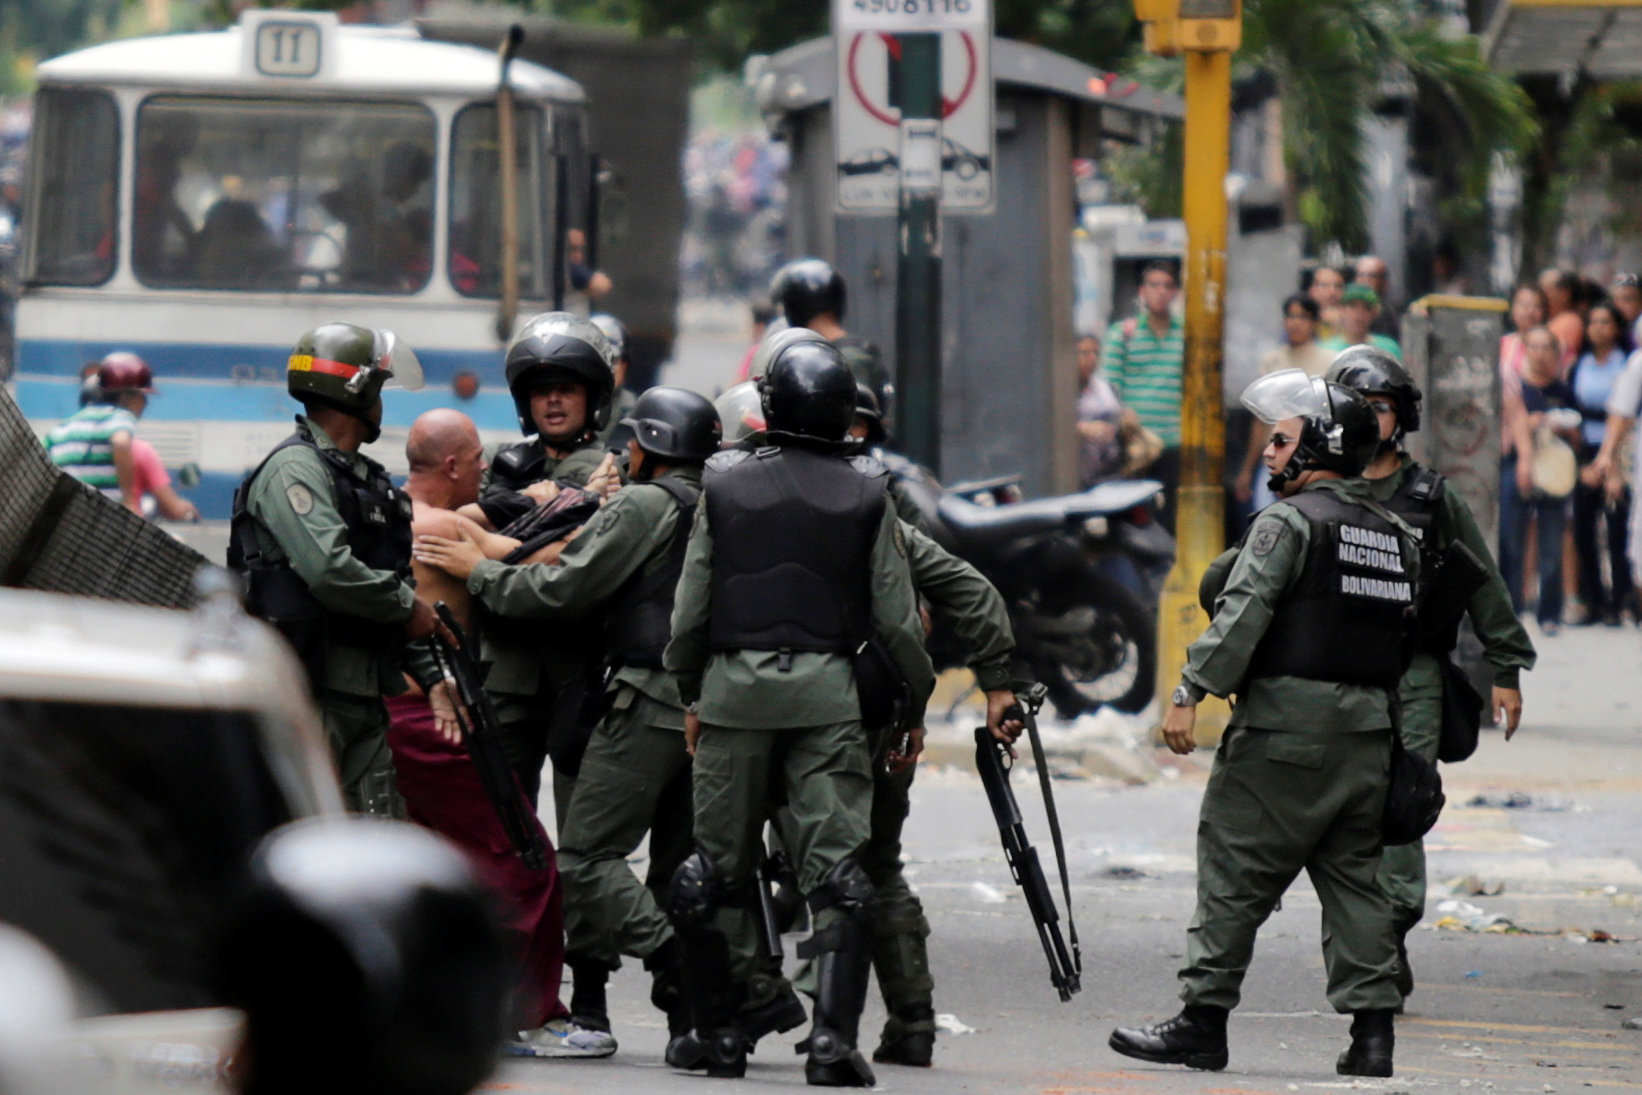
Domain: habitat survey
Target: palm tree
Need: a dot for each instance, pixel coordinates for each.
(1332, 61)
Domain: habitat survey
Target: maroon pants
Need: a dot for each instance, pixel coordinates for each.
(442, 791)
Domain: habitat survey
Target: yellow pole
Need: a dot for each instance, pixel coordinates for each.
(1201, 506)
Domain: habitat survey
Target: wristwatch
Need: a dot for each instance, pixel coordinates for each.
(1184, 695)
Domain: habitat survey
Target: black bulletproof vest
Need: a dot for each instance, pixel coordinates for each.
(1347, 618)
(638, 617)
(793, 531)
(378, 519)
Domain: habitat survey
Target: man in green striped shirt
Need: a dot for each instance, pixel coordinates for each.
(94, 444)
(1144, 358)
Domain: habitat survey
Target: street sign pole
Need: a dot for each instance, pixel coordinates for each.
(918, 269)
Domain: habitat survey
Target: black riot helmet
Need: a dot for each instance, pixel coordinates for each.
(559, 346)
(1370, 370)
(868, 410)
(1340, 433)
(809, 392)
(675, 426)
(808, 288)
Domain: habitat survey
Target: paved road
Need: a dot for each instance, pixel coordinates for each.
(1523, 1012)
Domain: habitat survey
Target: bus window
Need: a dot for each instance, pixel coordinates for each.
(284, 194)
(76, 154)
(476, 203)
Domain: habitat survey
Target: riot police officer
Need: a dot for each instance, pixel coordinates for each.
(635, 775)
(622, 403)
(1421, 497)
(811, 293)
(323, 539)
(1309, 630)
(795, 561)
(544, 680)
(561, 373)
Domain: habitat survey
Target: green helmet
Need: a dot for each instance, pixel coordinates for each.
(344, 366)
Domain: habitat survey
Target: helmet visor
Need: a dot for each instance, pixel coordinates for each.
(1288, 393)
(741, 411)
(399, 361)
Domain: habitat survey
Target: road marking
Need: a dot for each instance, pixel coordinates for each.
(1604, 1046)
(1524, 1027)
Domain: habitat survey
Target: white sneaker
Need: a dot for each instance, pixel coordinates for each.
(561, 1038)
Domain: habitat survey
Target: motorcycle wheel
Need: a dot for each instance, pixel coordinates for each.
(1098, 648)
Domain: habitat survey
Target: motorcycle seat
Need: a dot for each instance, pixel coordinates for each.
(977, 524)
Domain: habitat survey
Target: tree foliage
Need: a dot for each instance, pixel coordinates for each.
(1334, 62)
(39, 29)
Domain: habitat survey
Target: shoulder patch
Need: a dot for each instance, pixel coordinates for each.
(869, 466)
(608, 517)
(300, 498)
(1264, 539)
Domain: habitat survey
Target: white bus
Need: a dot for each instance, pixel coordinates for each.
(203, 199)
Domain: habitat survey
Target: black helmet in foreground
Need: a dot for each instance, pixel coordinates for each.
(809, 392)
(560, 346)
(808, 288)
(1339, 434)
(675, 425)
(1371, 370)
(367, 958)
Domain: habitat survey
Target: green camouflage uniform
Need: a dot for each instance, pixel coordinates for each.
(1298, 782)
(635, 775)
(766, 730)
(293, 503)
(528, 668)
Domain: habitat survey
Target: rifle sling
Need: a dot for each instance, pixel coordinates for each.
(1042, 764)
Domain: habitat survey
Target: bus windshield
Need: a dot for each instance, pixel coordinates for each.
(286, 195)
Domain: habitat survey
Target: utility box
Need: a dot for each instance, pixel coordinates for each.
(1451, 346)
(1009, 377)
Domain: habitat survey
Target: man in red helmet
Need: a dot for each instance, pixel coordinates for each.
(94, 444)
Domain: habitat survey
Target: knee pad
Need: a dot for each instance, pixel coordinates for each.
(697, 890)
(846, 886)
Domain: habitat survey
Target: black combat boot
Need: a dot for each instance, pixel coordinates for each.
(715, 1000)
(841, 992)
(909, 1039)
(667, 994)
(1195, 1038)
(1373, 1038)
(772, 1007)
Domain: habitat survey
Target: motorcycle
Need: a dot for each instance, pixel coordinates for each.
(1079, 572)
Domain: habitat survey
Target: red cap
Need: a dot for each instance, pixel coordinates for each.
(125, 371)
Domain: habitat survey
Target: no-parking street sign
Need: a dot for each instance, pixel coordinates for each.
(867, 118)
